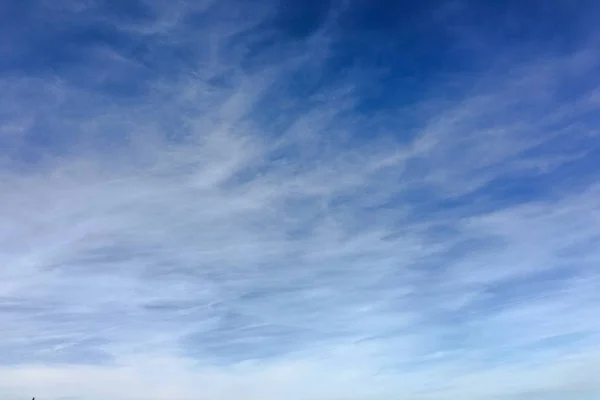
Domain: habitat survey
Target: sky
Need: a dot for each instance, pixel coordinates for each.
(309, 200)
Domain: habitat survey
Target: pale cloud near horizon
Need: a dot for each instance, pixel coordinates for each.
(217, 235)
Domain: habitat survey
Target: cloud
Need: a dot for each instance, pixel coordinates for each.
(193, 207)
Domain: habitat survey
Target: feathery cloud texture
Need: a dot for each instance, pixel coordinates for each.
(215, 200)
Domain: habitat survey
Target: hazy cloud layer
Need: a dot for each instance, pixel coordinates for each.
(215, 200)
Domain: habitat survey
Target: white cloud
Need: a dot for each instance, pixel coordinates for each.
(186, 243)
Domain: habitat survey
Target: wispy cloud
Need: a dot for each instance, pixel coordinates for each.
(192, 206)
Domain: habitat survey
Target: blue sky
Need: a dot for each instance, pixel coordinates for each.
(310, 200)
